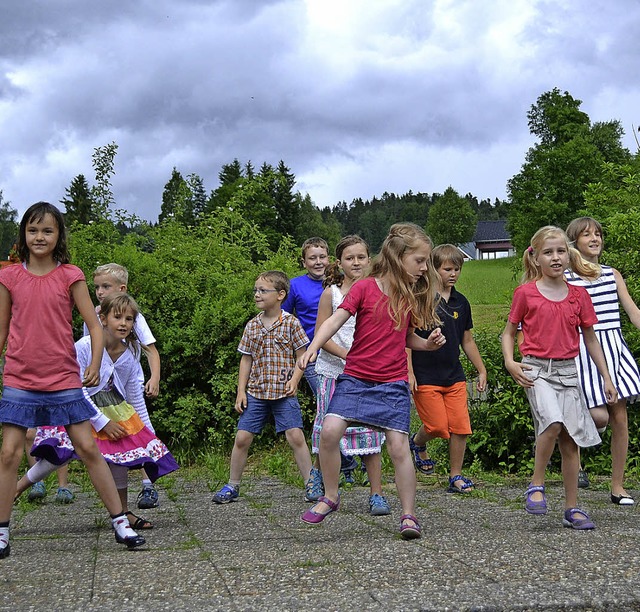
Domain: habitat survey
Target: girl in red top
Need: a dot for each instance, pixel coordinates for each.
(398, 296)
(41, 380)
(551, 314)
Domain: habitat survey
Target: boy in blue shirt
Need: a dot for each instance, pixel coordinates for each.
(437, 379)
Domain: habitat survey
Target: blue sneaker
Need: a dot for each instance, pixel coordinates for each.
(378, 505)
(64, 495)
(314, 488)
(227, 494)
(148, 498)
(38, 491)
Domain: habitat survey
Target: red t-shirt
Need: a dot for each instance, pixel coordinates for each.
(550, 329)
(378, 350)
(40, 354)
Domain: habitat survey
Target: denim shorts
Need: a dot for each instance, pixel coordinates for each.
(285, 410)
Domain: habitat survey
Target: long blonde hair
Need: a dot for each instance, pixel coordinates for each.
(417, 300)
(576, 262)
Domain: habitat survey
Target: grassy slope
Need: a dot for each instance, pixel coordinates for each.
(488, 285)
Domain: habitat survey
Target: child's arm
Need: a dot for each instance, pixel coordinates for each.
(243, 380)
(152, 388)
(291, 388)
(326, 331)
(80, 294)
(626, 300)
(325, 310)
(435, 340)
(596, 354)
(5, 315)
(515, 368)
(470, 349)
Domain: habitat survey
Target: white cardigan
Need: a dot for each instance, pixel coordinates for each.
(125, 379)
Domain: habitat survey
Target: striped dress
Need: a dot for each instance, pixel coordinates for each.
(622, 366)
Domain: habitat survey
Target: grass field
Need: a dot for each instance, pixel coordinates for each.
(489, 285)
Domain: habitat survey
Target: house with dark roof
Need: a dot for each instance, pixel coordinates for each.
(492, 240)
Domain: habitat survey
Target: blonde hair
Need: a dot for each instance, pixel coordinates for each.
(118, 304)
(113, 269)
(417, 300)
(576, 262)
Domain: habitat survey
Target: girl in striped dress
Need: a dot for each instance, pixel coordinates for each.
(607, 292)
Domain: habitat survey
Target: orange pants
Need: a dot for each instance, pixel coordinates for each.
(443, 410)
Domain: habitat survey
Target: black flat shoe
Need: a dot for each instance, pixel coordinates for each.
(622, 500)
(5, 552)
(131, 542)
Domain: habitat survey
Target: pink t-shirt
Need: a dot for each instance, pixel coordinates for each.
(550, 328)
(40, 354)
(378, 350)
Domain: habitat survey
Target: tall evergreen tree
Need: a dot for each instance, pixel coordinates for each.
(78, 202)
(171, 195)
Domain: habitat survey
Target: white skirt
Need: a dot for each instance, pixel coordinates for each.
(556, 397)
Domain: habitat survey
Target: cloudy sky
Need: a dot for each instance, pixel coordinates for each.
(357, 97)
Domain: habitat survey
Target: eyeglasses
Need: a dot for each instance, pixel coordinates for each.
(263, 291)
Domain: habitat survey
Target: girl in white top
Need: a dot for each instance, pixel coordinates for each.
(352, 261)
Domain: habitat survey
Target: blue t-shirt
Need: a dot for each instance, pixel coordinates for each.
(302, 301)
(442, 368)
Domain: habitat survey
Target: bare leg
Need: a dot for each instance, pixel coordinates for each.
(619, 445)
(398, 448)
(333, 429)
(373, 463)
(13, 439)
(545, 444)
(570, 467)
(298, 443)
(239, 454)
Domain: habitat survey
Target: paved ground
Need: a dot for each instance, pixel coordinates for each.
(478, 553)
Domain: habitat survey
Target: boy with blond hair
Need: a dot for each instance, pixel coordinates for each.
(113, 278)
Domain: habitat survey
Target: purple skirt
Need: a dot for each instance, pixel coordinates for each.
(39, 408)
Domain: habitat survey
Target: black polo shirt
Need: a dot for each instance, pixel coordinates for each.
(443, 367)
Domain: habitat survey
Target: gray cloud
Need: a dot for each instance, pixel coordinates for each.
(357, 98)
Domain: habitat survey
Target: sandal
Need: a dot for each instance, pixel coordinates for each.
(575, 518)
(424, 466)
(466, 487)
(312, 517)
(409, 532)
(138, 521)
(535, 507)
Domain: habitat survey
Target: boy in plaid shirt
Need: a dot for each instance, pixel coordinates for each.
(268, 380)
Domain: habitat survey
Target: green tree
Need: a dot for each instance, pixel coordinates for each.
(171, 195)
(549, 189)
(8, 226)
(103, 161)
(451, 219)
(78, 202)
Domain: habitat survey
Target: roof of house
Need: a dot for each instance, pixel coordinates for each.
(490, 231)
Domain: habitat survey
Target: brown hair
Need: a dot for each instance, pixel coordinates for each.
(445, 253)
(118, 304)
(315, 241)
(34, 214)
(333, 275)
(279, 280)
(418, 299)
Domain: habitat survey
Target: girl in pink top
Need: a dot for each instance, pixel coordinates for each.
(398, 296)
(551, 313)
(41, 382)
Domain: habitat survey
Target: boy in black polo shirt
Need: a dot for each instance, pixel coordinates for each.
(437, 379)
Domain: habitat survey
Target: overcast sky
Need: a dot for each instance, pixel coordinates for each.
(357, 97)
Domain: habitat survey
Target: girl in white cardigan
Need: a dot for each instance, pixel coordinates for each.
(123, 439)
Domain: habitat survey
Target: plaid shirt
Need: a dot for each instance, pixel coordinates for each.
(273, 354)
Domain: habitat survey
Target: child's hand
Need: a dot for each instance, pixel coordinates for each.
(481, 385)
(413, 383)
(241, 402)
(517, 370)
(435, 340)
(610, 392)
(306, 357)
(290, 389)
(114, 431)
(91, 377)
(152, 389)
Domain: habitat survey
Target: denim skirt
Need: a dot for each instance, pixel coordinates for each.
(38, 408)
(376, 404)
